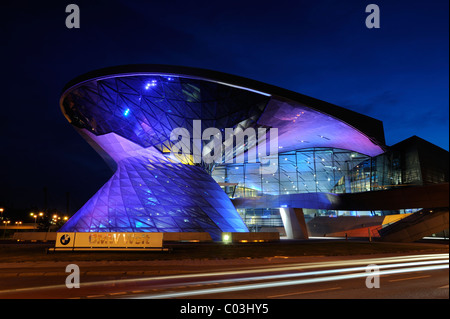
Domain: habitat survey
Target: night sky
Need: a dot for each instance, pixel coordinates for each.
(397, 73)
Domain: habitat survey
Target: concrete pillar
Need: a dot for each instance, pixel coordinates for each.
(294, 223)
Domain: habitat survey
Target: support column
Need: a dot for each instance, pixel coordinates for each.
(294, 223)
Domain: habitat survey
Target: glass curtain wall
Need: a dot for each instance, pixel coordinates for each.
(302, 171)
(306, 171)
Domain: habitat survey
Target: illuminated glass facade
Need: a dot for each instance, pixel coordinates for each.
(310, 170)
(128, 114)
(149, 193)
(413, 162)
(145, 109)
(302, 171)
(129, 121)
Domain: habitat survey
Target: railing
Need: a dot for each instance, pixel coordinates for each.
(413, 219)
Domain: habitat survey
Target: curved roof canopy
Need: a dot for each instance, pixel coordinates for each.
(144, 103)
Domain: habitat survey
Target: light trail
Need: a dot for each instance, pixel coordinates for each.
(326, 272)
(381, 262)
(287, 283)
(297, 266)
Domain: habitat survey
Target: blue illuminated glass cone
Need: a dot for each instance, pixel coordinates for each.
(128, 119)
(149, 193)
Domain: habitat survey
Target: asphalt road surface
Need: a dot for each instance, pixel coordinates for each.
(419, 276)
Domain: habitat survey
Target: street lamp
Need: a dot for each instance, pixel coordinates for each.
(35, 217)
(1, 211)
(6, 222)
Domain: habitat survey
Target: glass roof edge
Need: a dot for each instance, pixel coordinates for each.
(172, 74)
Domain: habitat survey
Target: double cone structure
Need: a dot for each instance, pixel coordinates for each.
(128, 119)
(128, 114)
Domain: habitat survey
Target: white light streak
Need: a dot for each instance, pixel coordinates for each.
(287, 283)
(412, 263)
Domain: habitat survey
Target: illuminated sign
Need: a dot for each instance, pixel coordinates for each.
(109, 240)
(64, 240)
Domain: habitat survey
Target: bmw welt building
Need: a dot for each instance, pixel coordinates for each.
(200, 151)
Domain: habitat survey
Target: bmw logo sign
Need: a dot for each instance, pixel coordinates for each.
(65, 239)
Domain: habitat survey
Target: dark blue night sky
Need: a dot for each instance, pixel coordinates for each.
(397, 74)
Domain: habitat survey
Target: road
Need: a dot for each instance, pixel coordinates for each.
(402, 276)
